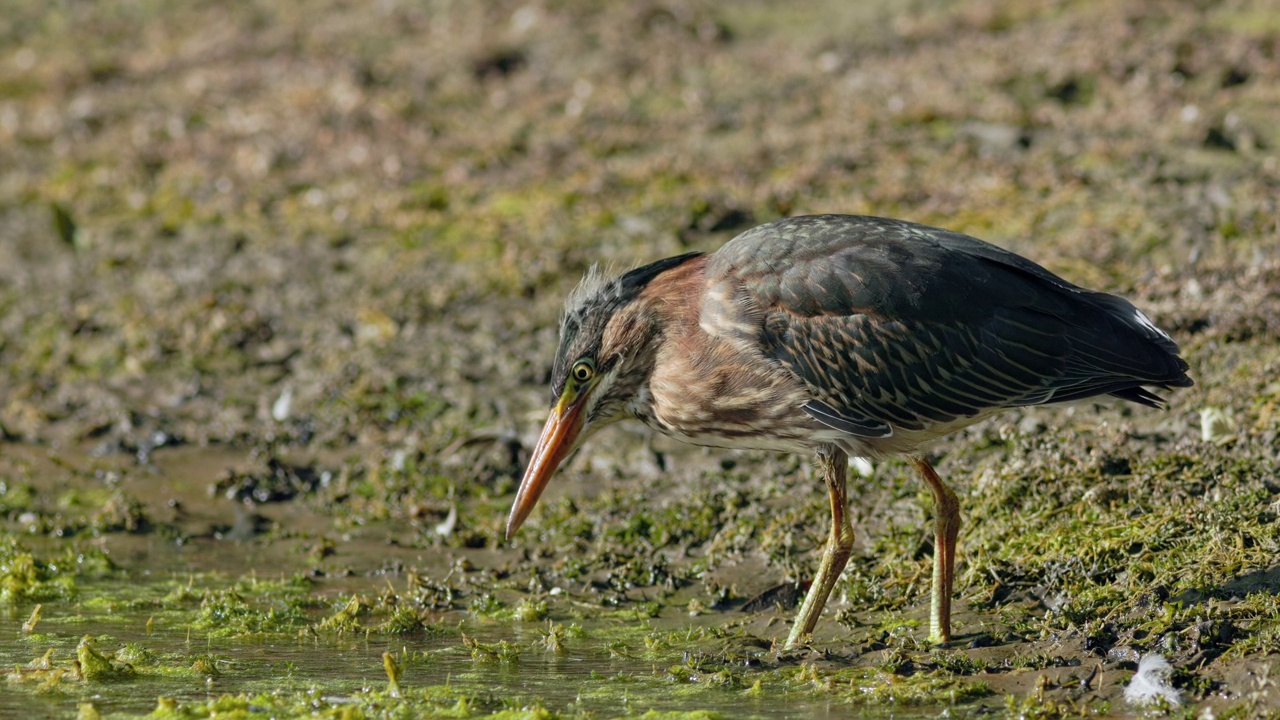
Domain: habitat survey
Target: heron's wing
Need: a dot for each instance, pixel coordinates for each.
(868, 375)
(890, 324)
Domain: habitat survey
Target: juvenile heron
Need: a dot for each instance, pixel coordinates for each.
(839, 335)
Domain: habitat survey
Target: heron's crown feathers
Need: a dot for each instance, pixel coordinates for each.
(590, 306)
(583, 297)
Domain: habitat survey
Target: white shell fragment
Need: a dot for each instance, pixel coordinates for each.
(445, 528)
(1151, 684)
(282, 408)
(1216, 426)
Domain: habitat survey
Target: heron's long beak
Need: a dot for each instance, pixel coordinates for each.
(559, 437)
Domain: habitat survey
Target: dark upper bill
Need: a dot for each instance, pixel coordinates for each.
(559, 436)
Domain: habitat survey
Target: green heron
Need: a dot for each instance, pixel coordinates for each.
(839, 335)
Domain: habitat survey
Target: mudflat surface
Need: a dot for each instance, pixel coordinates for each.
(279, 285)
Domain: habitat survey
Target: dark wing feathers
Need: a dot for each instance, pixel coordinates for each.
(877, 374)
(892, 324)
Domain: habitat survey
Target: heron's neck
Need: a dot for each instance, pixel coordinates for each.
(674, 297)
(664, 311)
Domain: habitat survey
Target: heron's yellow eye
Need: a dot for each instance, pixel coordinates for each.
(583, 370)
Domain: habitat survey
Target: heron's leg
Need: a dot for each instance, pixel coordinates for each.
(946, 509)
(834, 465)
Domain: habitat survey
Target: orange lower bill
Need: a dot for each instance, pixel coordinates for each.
(559, 436)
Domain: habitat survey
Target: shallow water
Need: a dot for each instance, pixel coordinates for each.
(586, 677)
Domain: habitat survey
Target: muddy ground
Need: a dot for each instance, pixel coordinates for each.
(279, 284)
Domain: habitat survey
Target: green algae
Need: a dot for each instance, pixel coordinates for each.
(228, 613)
(1128, 559)
(23, 578)
(96, 667)
(345, 620)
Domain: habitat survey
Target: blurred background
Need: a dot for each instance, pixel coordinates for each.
(380, 207)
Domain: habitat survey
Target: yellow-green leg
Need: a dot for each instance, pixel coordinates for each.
(946, 509)
(834, 465)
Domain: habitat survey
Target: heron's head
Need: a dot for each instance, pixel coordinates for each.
(608, 338)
